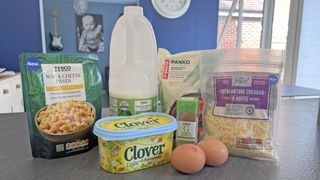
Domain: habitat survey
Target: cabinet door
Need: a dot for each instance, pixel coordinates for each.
(17, 104)
(16, 86)
(5, 108)
(5, 90)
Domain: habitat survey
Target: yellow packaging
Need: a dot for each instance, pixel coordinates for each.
(131, 143)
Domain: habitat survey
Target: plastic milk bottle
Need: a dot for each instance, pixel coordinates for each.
(133, 79)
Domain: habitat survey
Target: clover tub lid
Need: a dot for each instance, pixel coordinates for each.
(129, 127)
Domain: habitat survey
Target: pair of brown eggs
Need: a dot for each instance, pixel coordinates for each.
(190, 158)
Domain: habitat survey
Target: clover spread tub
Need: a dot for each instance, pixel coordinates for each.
(130, 143)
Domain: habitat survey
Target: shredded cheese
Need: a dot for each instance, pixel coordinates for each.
(244, 137)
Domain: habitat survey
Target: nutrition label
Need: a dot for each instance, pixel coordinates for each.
(187, 130)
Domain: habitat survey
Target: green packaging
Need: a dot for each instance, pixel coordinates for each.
(62, 95)
(187, 117)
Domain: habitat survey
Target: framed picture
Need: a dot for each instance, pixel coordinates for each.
(90, 33)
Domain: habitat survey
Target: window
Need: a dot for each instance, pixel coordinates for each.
(302, 62)
(277, 24)
(280, 24)
(258, 24)
(240, 23)
(253, 24)
(308, 62)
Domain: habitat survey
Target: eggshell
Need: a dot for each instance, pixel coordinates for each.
(188, 158)
(216, 151)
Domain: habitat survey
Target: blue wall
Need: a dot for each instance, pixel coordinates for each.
(20, 31)
(67, 25)
(196, 29)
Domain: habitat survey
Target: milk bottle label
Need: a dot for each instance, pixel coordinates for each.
(127, 107)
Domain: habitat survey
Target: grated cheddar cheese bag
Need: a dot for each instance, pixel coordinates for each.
(241, 91)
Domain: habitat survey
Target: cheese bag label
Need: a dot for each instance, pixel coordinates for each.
(242, 96)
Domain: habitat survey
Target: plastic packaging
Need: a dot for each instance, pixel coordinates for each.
(179, 76)
(241, 90)
(187, 117)
(133, 80)
(130, 143)
(62, 95)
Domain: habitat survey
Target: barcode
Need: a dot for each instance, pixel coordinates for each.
(60, 147)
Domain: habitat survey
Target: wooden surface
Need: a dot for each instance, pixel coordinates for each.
(298, 138)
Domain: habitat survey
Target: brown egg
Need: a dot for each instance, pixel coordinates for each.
(188, 158)
(216, 152)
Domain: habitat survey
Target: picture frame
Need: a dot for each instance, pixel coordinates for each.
(90, 36)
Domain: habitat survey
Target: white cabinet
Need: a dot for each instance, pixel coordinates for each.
(11, 98)
(5, 108)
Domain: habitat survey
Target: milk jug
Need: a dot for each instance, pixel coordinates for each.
(133, 80)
